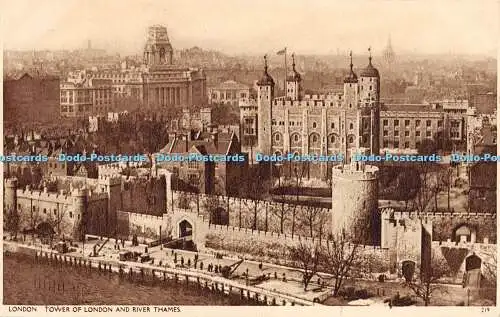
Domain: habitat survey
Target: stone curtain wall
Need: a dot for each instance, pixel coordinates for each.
(273, 248)
(485, 226)
(144, 226)
(274, 217)
(145, 196)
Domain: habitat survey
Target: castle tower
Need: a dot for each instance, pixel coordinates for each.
(80, 208)
(158, 50)
(369, 98)
(293, 86)
(351, 88)
(369, 92)
(113, 188)
(355, 203)
(265, 95)
(10, 194)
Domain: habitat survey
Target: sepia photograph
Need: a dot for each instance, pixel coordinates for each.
(164, 154)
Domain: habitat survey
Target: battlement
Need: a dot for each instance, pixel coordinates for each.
(79, 192)
(486, 244)
(11, 182)
(110, 179)
(333, 103)
(28, 193)
(95, 196)
(365, 172)
(390, 213)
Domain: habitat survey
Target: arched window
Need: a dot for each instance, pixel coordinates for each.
(333, 125)
(351, 126)
(296, 138)
(332, 138)
(277, 137)
(315, 138)
(351, 139)
(314, 125)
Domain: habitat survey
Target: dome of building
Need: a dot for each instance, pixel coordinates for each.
(295, 76)
(370, 71)
(266, 79)
(351, 78)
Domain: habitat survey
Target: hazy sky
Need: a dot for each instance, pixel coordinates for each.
(256, 26)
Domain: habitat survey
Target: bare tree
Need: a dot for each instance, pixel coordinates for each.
(446, 182)
(12, 222)
(340, 257)
(299, 171)
(425, 284)
(310, 217)
(425, 191)
(307, 257)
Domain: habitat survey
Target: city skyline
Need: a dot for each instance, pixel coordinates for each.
(306, 25)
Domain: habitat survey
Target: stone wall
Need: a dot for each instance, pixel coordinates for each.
(255, 214)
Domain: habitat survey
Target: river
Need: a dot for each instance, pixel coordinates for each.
(30, 283)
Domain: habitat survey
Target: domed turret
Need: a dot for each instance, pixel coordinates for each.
(266, 79)
(370, 71)
(295, 76)
(351, 77)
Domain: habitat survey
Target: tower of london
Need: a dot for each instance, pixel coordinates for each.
(325, 124)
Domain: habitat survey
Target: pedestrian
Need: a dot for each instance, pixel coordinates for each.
(201, 265)
(182, 260)
(260, 266)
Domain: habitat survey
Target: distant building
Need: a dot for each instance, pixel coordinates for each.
(86, 97)
(485, 103)
(205, 177)
(228, 93)
(197, 120)
(159, 83)
(28, 97)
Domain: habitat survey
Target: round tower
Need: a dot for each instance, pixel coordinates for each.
(355, 203)
(265, 96)
(10, 195)
(80, 213)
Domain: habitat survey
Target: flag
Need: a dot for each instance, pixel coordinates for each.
(282, 52)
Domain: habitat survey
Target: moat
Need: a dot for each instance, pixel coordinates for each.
(30, 283)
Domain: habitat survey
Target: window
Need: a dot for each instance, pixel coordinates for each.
(386, 123)
(314, 125)
(386, 144)
(407, 123)
(386, 133)
(332, 125)
(332, 138)
(417, 133)
(396, 133)
(277, 137)
(55, 212)
(296, 138)
(351, 126)
(351, 139)
(370, 87)
(440, 123)
(396, 123)
(417, 123)
(407, 133)
(428, 123)
(417, 145)
(396, 144)
(315, 138)
(428, 134)
(407, 145)
(44, 210)
(70, 214)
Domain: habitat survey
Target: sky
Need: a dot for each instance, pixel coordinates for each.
(256, 26)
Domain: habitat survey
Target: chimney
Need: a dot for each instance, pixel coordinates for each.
(186, 138)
